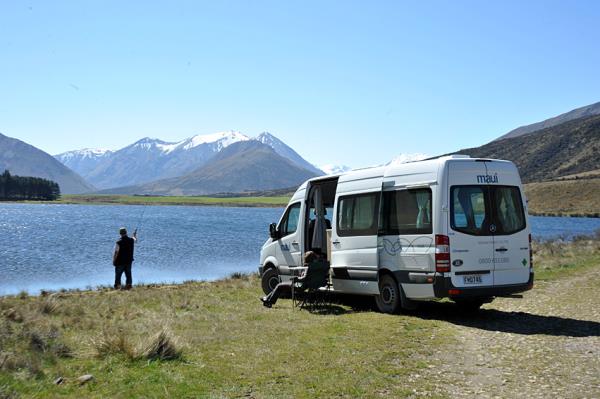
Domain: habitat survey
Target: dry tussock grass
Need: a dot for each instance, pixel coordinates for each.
(162, 347)
(114, 342)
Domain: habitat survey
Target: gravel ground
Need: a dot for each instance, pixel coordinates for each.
(545, 345)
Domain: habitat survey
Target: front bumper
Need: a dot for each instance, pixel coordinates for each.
(260, 270)
(443, 288)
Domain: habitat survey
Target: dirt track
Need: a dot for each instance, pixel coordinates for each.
(546, 345)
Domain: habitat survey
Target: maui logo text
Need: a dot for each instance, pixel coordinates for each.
(487, 178)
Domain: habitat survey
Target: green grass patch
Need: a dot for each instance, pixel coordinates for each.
(217, 340)
(556, 259)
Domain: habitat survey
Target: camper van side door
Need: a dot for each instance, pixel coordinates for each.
(289, 248)
(354, 237)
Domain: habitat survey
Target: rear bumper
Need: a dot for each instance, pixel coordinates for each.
(443, 288)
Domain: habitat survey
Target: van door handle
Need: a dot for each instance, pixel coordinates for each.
(501, 249)
(295, 243)
(336, 242)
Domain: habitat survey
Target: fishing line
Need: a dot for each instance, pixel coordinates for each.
(141, 219)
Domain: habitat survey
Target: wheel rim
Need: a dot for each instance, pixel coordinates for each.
(388, 294)
(273, 281)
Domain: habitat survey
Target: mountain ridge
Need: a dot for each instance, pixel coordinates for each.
(151, 159)
(577, 113)
(243, 166)
(551, 153)
(23, 159)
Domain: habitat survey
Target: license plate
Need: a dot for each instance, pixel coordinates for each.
(472, 279)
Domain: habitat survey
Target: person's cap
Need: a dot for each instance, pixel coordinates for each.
(122, 230)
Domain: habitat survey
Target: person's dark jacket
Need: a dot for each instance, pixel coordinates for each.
(124, 253)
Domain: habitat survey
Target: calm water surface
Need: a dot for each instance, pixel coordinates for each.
(70, 246)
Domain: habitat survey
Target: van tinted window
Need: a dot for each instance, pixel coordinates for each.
(486, 210)
(406, 212)
(508, 213)
(289, 223)
(468, 213)
(357, 215)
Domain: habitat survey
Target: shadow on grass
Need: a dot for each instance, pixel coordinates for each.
(509, 322)
(486, 319)
(326, 309)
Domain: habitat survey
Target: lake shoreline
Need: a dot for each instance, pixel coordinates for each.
(237, 202)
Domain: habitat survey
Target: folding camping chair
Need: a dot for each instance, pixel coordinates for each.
(314, 285)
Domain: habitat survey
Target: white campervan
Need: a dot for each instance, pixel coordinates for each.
(451, 227)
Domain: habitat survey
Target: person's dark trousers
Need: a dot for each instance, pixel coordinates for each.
(119, 272)
(279, 289)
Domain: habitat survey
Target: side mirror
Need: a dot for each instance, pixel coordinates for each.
(273, 231)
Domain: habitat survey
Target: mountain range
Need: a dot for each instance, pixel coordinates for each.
(247, 165)
(150, 159)
(231, 162)
(23, 159)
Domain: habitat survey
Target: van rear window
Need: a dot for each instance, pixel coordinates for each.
(486, 210)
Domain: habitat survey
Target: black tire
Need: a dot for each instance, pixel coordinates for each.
(470, 305)
(269, 280)
(388, 300)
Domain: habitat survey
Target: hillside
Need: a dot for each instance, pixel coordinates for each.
(23, 159)
(588, 110)
(579, 197)
(242, 166)
(566, 149)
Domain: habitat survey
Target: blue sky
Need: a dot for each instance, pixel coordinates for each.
(341, 82)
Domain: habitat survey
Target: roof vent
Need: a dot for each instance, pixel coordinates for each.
(458, 156)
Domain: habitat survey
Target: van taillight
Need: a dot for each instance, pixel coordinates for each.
(442, 253)
(530, 252)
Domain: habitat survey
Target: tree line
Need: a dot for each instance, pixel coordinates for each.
(27, 188)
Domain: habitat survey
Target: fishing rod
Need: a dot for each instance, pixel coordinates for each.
(140, 220)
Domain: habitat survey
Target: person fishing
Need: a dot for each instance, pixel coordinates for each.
(123, 258)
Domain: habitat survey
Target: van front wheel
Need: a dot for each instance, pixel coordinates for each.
(388, 300)
(269, 280)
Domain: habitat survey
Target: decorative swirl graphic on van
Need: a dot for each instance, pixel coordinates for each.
(393, 248)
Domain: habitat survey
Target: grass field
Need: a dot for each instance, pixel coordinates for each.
(160, 200)
(202, 339)
(579, 197)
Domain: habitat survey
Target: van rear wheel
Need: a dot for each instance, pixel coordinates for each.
(269, 280)
(388, 300)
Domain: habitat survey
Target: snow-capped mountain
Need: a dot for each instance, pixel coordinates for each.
(404, 158)
(331, 169)
(83, 161)
(286, 151)
(152, 159)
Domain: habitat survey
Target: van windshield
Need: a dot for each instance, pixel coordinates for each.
(486, 210)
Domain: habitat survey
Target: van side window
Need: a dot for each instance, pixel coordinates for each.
(357, 215)
(406, 212)
(289, 223)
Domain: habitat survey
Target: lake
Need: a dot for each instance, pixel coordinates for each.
(70, 246)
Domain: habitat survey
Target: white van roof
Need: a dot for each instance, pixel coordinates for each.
(424, 170)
